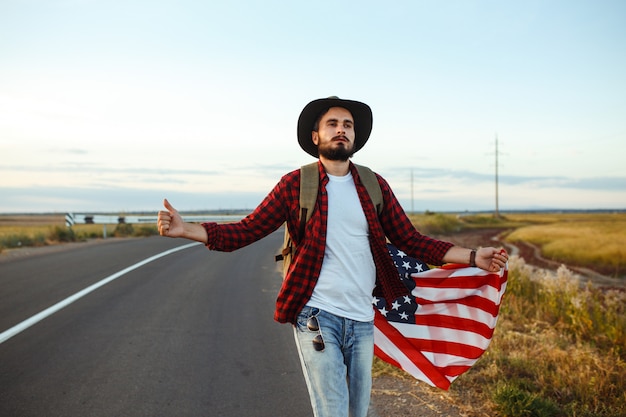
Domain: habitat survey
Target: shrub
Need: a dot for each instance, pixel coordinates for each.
(62, 234)
(123, 230)
(16, 241)
(145, 231)
(513, 401)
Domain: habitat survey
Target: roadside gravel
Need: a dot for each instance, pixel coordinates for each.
(397, 397)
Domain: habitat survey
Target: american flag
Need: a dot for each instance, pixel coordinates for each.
(441, 330)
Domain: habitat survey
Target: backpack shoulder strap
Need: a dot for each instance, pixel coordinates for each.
(369, 180)
(309, 185)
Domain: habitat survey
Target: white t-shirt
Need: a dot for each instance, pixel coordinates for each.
(348, 274)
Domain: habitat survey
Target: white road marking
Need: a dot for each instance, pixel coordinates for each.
(7, 334)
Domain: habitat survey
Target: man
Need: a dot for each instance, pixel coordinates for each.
(340, 257)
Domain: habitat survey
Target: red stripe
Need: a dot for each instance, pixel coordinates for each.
(463, 282)
(416, 357)
(440, 375)
(450, 348)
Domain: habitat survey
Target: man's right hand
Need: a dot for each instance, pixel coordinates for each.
(170, 223)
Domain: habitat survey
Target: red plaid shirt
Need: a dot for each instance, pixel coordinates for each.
(282, 205)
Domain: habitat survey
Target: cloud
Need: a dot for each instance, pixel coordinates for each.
(119, 189)
(607, 183)
(117, 200)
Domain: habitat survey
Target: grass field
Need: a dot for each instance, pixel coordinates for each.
(41, 230)
(593, 241)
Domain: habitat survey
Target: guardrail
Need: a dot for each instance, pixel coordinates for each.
(71, 219)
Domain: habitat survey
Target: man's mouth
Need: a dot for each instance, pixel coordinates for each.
(340, 139)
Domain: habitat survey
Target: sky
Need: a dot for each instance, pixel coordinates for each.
(111, 106)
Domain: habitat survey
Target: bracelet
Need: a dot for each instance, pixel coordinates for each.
(472, 261)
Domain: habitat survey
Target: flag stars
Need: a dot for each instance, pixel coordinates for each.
(383, 311)
(407, 299)
(395, 305)
(404, 316)
(401, 254)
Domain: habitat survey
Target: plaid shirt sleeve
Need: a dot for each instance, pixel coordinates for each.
(281, 205)
(276, 208)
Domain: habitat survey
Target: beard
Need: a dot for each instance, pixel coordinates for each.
(335, 153)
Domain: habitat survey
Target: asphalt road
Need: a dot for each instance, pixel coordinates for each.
(188, 334)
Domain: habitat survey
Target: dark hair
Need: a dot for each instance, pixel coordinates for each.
(316, 125)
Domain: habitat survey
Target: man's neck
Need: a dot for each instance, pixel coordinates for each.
(336, 168)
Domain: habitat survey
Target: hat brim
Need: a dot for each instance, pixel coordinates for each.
(361, 112)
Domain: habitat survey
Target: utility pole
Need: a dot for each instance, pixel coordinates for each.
(497, 215)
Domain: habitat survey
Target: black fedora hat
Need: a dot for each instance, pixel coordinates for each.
(361, 113)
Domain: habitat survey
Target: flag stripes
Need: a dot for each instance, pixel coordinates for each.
(447, 325)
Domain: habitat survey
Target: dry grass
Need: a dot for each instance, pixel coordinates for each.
(558, 350)
(41, 230)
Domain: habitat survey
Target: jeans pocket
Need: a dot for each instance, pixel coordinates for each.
(304, 316)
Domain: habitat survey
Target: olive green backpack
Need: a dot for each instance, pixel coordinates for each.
(309, 185)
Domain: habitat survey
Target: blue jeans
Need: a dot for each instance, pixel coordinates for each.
(339, 378)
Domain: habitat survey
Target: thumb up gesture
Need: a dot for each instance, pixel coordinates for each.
(169, 222)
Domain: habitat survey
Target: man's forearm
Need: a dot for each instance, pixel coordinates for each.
(194, 231)
(489, 258)
(457, 255)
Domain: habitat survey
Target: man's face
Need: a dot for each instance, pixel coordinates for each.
(335, 136)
